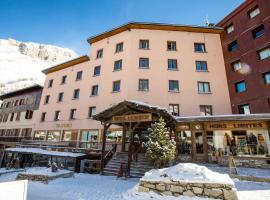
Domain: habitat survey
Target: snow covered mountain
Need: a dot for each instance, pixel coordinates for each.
(21, 62)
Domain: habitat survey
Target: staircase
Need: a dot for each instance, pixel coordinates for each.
(137, 169)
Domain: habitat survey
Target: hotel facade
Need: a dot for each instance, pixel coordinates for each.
(180, 68)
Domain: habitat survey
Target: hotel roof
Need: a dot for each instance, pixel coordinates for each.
(154, 26)
(66, 64)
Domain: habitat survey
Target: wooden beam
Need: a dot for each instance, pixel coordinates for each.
(106, 127)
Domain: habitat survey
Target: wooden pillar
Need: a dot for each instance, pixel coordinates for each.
(124, 138)
(131, 138)
(102, 162)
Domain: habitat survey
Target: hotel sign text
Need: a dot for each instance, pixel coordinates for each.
(63, 125)
(132, 118)
(236, 125)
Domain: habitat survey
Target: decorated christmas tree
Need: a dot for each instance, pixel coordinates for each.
(160, 148)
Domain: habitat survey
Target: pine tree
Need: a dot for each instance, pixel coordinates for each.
(160, 148)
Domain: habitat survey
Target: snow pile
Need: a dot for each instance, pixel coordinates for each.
(21, 63)
(44, 152)
(44, 171)
(187, 172)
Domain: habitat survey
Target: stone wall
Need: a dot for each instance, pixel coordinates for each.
(211, 190)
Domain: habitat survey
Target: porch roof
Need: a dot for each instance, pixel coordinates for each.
(133, 107)
(232, 117)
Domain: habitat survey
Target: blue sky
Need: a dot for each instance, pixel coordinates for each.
(68, 23)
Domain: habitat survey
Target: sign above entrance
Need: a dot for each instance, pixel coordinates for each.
(63, 125)
(147, 117)
(236, 126)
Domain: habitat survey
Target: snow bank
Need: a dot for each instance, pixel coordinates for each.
(187, 172)
(44, 171)
(45, 152)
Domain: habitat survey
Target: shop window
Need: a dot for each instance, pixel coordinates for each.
(40, 135)
(116, 86)
(57, 115)
(266, 77)
(94, 91)
(29, 114)
(240, 86)
(259, 31)
(76, 94)
(206, 110)
(233, 46)
(99, 53)
(201, 66)
(119, 47)
(185, 146)
(244, 109)
(50, 84)
(26, 132)
(54, 136)
(97, 70)
(88, 139)
(144, 44)
(199, 47)
(171, 45)
(114, 136)
(117, 65)
(64, 79)
(204, 87)
(199, 142)
(172, 64)
(67, 136)
(174, 109)
(230, 29)
(143, 85)
(254, 12)
(144, 63)
(173, 86)
(264, 53)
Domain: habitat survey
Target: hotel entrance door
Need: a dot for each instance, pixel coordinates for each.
(199, 146)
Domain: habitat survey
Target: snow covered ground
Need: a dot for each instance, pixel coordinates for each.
(96, 187)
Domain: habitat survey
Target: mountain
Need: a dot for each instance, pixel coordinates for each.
(21, 63)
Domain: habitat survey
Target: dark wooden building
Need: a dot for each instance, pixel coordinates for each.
(246, 47)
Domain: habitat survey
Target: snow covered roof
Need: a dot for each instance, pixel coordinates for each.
(44, 152)
(20, 91)
(133, 105)
(231, 117)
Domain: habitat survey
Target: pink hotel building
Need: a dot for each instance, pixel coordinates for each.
(180, 68)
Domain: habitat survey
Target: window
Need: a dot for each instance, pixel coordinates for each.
(259, 31)
(43, 117)
(72, 113)
(76, 94)
(91, 111)
(16, 102)
(201, 66)
(7, 105)
(99, 53)
(50, 84)
(244, 109)
(12, 117)
(206, 110)
(119, 47)
(240, 86)
(60, 96)
(79, 76)
(94, 91)
(204, 87)
(47, 99)
(172, 64)
(18, 117)
(64, 79)
(57, 115)
(233, 46)
(264, 53)
(117, 65)
(230, 29)
(5, 118)
(199, 47)
(144, 63)
(236, 66)
(116, 86)
(144, 44)
(266, 78)
(174, 109)
(173, 86)
(171, 45)
(143, 84)
(268, 100)
(97, 70)
(29, 114)
(254, 12)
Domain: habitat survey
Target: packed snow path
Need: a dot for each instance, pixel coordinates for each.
(96, 187)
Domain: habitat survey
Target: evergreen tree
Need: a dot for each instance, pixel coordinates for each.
(160, 148)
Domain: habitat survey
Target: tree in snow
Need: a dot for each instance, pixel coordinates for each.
(160, 148)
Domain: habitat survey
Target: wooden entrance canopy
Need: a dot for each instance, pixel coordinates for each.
(131, 115)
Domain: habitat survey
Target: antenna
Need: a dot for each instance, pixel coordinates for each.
(206, 21)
